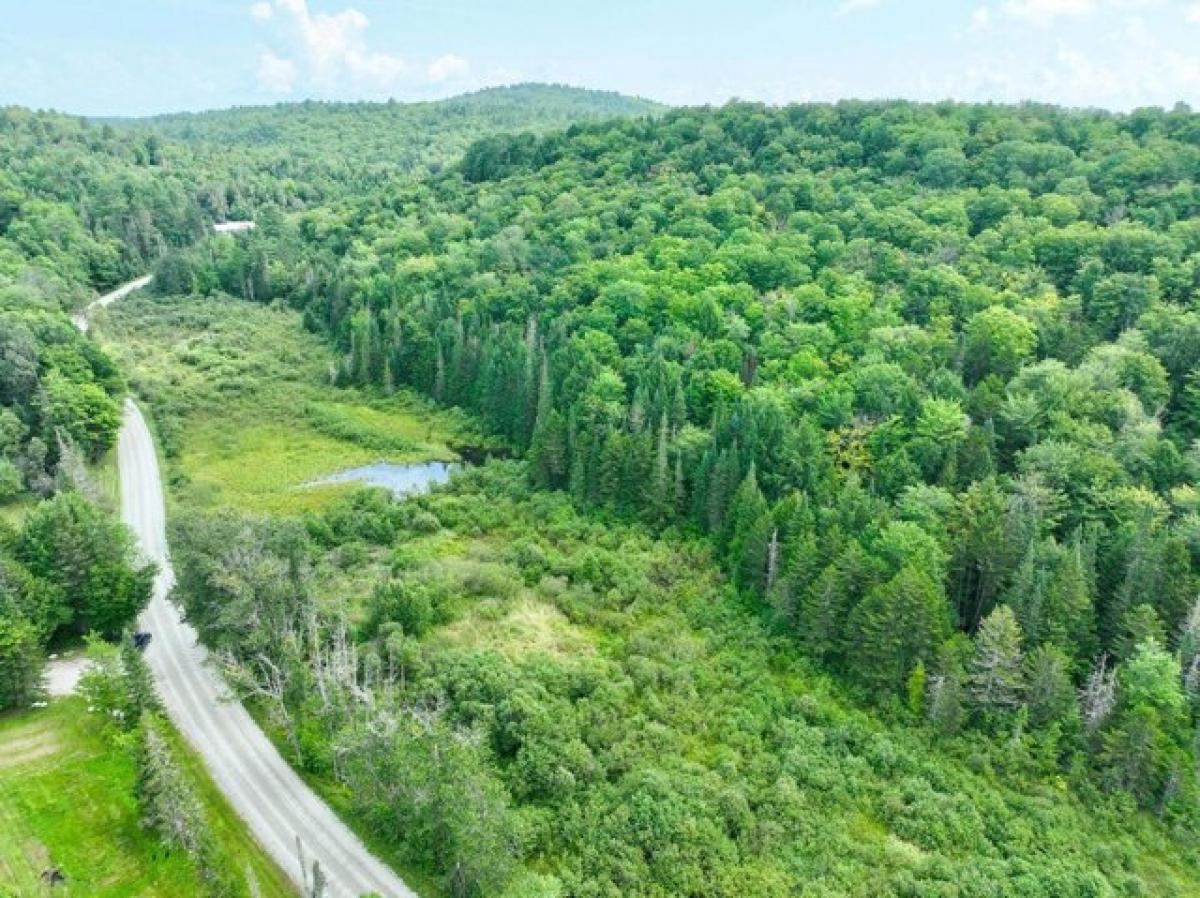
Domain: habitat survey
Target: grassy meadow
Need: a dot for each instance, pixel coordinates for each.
(244, 409)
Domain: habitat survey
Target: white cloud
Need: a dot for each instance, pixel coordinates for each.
(1135, 31)
(332, 55)
(335, 45)
(447, 67)
(1046, 12)
(1113, 77)
(275, 73)
(1192, 13)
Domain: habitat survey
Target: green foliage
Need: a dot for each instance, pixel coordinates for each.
(1145, 749)
(861, 297)
(948, 332)
(593, 712)
(169, 806)
(920, 376)
(21, 663)
(996, 679)
(898, 625)
(91, 562)
(913, 369)
(55, 387)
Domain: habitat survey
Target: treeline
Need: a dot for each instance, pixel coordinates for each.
(88, 204)
(924, 373)
(67, 567)
(59, 399)
(81, 208)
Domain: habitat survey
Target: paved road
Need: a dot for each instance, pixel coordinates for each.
(81, 318)
(264, 790)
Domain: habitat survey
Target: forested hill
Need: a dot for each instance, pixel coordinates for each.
(83, 207)
(86, 204)
(363, 143)
(925, 374)
(541, 106)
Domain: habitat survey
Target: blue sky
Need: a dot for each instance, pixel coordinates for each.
(133, 57)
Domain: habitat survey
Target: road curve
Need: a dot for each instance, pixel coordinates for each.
(81, 317)
(281, 811)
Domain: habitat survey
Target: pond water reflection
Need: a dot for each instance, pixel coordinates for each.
(399, 479)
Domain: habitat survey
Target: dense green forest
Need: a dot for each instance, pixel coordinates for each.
(319, 150)
(853, 542)
(923, 373)
(534, 701)
(78, 210)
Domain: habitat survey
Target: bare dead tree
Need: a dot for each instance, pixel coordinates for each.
(1098, 696)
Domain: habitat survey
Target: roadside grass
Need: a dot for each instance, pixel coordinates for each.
(67, 800)
(231, 832)
(241, 401)
(107, 480)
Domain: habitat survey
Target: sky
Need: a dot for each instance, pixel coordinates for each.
(138, 57)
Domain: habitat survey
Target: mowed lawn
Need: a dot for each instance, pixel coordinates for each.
(67, 801)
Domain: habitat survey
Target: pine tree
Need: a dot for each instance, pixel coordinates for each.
(898, 624)
(169, 805)
(746, 505)
(945, 702)
(722, 482)
(826, 601)
(138, 682)
(662, 488)
(1049, 693)
(1070, 607)
(548, 450)
(21, 662)
(916, 689)
(1173, 594)
(996, 680)
(1189, 652)
(1145, 742)
(439, 375)
(747, 534)
(1139, 624)
(679, 495)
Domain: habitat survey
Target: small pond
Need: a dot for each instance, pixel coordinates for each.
(399, 479)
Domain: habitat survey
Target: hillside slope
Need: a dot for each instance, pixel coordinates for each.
(922, 378)
(363, 144)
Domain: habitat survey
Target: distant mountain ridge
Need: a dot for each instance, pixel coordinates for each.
(569, 102)
(316, 144)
